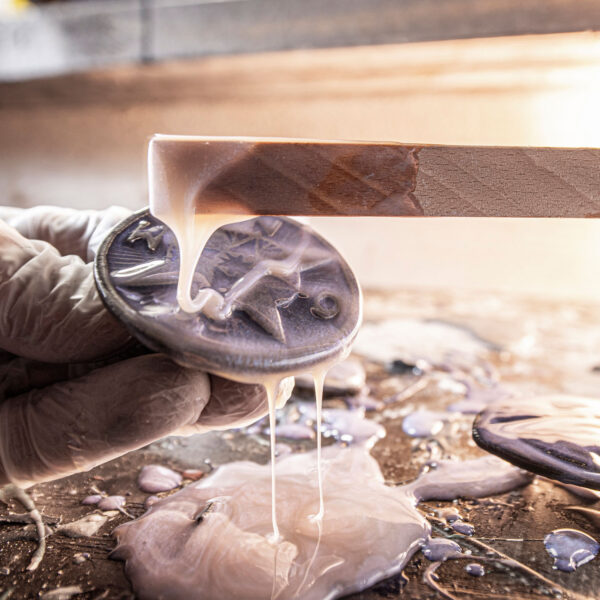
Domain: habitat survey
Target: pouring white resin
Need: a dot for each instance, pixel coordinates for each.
(175, 205)
(305, 526)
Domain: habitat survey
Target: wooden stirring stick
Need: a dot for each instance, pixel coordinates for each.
(271, 176)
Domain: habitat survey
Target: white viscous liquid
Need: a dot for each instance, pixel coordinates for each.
(192, 231)
(368, 532)
(175, 205)
(192, 235)
(271, 387)
(319, 378)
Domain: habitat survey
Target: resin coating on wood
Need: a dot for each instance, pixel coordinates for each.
(284, 177)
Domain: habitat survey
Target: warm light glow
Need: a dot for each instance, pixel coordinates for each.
(529, 91)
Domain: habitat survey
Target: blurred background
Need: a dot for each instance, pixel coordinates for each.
(83, 84)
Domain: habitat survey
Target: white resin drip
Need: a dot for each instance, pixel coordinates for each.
(319, 378)
(271, 387)
(192, 239)
(176, 207)
(192, 232)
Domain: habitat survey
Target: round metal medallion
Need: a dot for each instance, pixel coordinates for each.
(279, 323)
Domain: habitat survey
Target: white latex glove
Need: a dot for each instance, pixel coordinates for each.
(73, 393)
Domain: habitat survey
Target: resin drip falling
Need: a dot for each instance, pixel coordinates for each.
(319, 379)
(192, 233)
(271, 387)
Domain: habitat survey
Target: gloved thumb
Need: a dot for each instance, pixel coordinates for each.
(50, 310)
(70, 231)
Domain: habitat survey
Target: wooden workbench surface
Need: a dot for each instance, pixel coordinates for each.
(537, 345)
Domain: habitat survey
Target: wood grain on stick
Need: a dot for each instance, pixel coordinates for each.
(508, 182)
(316, 178)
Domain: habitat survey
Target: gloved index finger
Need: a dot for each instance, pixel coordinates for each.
(70, 231)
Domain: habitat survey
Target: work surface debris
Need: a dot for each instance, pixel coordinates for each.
(432, 361)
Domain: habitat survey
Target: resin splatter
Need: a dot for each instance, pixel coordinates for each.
(475, 569)
(424, 423)
(441, 549)
(570, 548)
(156, 478)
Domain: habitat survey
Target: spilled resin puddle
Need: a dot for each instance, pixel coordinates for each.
(549, 350)
(189, 544)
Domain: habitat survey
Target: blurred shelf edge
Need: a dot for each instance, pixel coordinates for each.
(62, 38)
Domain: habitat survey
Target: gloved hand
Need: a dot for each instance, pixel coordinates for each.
(72, 394)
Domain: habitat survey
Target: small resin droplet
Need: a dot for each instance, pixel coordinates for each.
(449, 514)
(462, 527)
(424, 423)
(350, 426)
(94, 499)
(475, 569)
(570, 548)
(441, 549)
(150, 500)
(80, 557)
(156, 478)
(111, 503)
